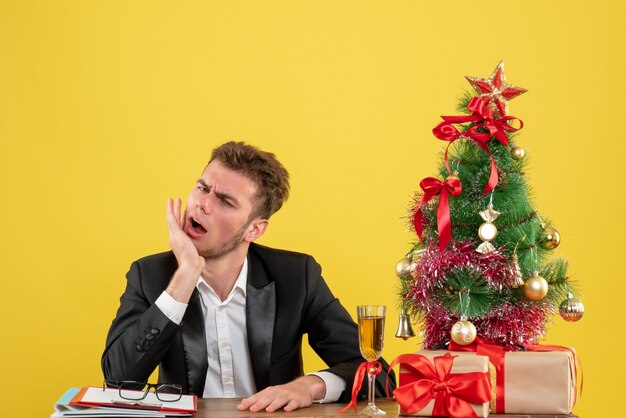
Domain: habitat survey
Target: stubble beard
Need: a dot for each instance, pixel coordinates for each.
(225, 248)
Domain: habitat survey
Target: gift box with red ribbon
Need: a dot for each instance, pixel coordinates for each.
(436, 384)
(539, 380)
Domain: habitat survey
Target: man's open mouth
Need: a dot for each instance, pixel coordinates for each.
(195, 225)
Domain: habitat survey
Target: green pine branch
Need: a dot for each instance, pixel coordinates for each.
(465, 292)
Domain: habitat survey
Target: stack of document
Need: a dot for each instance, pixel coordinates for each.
(99, 402)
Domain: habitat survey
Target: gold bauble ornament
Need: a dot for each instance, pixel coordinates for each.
(550, 238)
(453, 176)
(518, 153)
(536, 287)
(571, 309)
(463, 332)
(403, 268)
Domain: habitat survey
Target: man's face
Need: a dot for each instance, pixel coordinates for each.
(218, 211)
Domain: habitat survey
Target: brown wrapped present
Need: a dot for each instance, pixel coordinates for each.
(541, 380)
(435, 383)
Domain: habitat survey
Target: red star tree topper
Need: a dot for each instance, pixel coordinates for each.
(496, 90)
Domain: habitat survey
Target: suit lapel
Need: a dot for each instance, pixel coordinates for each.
(194, 345)
(260, 313)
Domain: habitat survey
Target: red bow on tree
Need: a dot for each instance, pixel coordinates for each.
(452, 393)
(433, 187)
(448, 132)
(484, 118)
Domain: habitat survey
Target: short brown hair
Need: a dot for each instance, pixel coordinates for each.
(267, 173)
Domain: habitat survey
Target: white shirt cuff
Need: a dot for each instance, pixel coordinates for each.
(335, 386)
(171, 308)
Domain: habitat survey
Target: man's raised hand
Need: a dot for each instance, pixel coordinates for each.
(190, 263)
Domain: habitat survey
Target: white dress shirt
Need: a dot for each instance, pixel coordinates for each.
(230, 371)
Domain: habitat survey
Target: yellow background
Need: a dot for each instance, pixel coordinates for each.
(107, 108)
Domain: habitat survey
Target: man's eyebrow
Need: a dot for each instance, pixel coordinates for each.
(221, 195)
(226, 196)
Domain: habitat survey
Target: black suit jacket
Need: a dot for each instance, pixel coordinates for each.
(286, 298)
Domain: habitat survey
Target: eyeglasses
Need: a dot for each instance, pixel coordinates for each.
(136, 391)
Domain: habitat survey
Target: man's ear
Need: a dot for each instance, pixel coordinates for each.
(256, 229)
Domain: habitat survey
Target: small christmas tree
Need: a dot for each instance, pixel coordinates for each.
(482, 264)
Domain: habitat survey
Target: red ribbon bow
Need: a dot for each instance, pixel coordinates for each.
(495, 352)
(452, 393)
(448, 132)
(374, 368)
(483, 118)
(433, 187)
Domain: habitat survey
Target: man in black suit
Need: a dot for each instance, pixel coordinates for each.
(223, 316)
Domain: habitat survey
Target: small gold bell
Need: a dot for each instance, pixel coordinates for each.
(405, 330)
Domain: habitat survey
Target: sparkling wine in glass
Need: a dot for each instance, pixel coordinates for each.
(371, 336)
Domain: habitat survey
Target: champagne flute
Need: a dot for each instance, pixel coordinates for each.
(371, 335)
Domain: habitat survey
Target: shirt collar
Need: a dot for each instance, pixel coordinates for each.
(241, 282)
(242, 279)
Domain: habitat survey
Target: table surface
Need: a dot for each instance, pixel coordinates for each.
(227, 408)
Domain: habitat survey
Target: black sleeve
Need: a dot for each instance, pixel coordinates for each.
(139, 335)
(334, 335)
